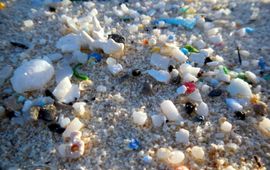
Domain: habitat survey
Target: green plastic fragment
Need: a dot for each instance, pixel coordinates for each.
(242, 76)
(191, 49)
(225, 69)
(183, 9)
(266, 77)
(81, 76)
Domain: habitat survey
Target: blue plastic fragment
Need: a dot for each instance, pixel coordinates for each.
(134, 144)
(186, 23)
(262, 63)
(97, 56)
(147, 159)
(185, 51)
(171, 37)
(249, 30)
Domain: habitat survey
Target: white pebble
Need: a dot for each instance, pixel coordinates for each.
(152, 41)
(264, 126)
(133, 28)
(197, 152)
(226, 127)
(115, 69)
(139, 117)
(182, 136)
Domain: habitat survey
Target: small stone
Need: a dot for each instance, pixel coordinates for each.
(176, 157)
(117, 38)
(134, 144)
(2, 111)
(5, 73)
(147, 89)
(136, 72)
(55, 127)
(226, 127)
(182, 136)
(260, 108)
(47, 113)
(197, 152)
(139, 117)
(215, 93)
(240, 115)
(189, 107)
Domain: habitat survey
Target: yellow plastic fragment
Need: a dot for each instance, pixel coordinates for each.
(2, 5)
(155, 50)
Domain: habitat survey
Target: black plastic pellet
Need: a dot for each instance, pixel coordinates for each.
(240, 115)
(54, 127)
(215, 93)
(189, 107)
(136, 72)
(171, 67)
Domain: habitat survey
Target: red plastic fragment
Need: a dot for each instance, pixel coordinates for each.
(190, 87)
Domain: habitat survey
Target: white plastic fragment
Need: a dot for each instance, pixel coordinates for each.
(187, 77)
(79, 57)
(63, 71)
(170, 111)
(65, 91)
(158, 120)
(234, 104)
(226, 127)
(195, 96)
(54, 56)
(139, 117)
(79, 108)
(182, 136)
(32, 75)
(202, 109)
(239, 87)
(199, 44)
(173, 51)
(75, 125)
(176, 157)
(160, 61)
(161, 75)
(251, 76)
(197, 152)
(63, 121)
(187, 68)
(115, 68)
(69, 43)
(216, 39)
(28, 23)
